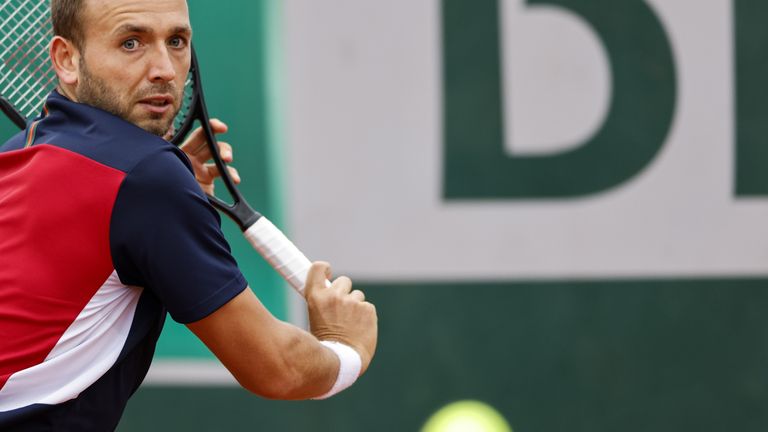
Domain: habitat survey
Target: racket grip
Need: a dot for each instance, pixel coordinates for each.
(279, 252)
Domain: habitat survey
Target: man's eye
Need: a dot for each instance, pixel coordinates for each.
(176, 42)
(131, 44)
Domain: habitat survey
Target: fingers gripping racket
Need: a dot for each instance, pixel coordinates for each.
(26, 78)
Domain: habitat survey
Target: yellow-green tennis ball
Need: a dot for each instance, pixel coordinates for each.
(466, 416)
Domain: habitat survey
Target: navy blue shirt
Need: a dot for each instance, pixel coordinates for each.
(103, 229)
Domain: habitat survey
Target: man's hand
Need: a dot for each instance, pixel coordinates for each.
(199, 154)
(337, 313)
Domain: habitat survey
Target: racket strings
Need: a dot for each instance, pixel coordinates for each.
(26, 75)
(186, 104)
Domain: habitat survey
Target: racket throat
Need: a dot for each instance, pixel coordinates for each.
(241, 212)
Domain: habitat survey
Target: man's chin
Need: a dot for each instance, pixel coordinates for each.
(154, 124)
(155, 127)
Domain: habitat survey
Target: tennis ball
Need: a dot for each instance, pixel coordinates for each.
(466, 416)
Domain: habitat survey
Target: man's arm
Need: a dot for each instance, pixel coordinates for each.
(279, 361)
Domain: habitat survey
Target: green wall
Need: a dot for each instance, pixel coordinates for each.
(614, 355)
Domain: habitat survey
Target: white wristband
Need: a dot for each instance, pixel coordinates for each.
(350, 364)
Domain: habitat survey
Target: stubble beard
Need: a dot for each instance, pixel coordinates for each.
(96, 92)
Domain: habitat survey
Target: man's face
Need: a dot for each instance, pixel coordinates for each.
(135, 60)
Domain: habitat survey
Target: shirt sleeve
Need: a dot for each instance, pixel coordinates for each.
(167, 238)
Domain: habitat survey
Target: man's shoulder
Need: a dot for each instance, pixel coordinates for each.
(112, 143)
(167, 169)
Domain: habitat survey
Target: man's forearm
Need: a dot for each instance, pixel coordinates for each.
(268, 357)
(305, 368)
(280, 361)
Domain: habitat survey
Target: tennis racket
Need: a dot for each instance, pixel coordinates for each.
(26, 79)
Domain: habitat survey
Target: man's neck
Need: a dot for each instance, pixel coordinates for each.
(66, 92)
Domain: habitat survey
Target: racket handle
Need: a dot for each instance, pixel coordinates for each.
(279, 252)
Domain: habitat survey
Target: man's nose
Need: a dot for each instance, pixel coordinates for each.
(161, 66)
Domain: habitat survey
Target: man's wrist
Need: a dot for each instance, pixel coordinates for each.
(350, 364)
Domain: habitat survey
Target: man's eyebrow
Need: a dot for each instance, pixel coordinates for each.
(134, 28)
(131, 28)
(183, 30)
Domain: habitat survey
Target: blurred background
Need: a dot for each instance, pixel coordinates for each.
(558, 207)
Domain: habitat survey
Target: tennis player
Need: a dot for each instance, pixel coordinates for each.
(104, 228)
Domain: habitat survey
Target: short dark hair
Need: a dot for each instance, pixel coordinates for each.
(67, 19)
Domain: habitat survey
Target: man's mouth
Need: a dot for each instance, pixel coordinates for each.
(157, 104)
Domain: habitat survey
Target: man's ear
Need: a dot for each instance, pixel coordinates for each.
(66, 61)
